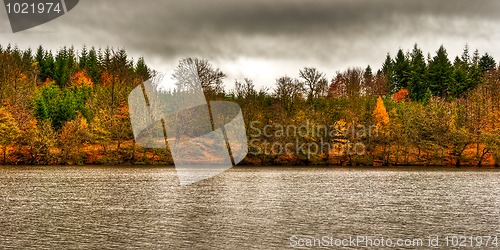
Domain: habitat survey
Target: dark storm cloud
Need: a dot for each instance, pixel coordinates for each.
(266, 38)
(270, 28)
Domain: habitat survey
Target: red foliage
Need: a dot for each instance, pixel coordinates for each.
(402, 95)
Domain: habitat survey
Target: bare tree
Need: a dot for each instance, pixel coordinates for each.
(246, 89)
(211, 78)
(348, 83)
(287, 91)
(315, 82)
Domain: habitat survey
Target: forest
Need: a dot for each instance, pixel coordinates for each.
(69, 107)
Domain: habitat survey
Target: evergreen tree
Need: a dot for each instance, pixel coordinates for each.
(60, 105)
(418, 75)
(461, 80)
(440, 73)
(92, 66)
(27, 60)
(486, 62)
(466, 57)
(45, 62)
(401, 72)
(105, 58)
(83, 58)
(368, 74)
(388, 71)
(64, 66)
(368, 80)
(142, 70)
(475, 72)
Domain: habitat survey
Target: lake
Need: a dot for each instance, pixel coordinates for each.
(244, 208)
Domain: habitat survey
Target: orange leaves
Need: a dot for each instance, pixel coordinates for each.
(23, 77)
(48, 82)
(401, 96)
(123, 112)
(81, 79)
(106, 79)
(380, 115)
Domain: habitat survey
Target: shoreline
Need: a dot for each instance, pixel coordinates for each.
(244, 167)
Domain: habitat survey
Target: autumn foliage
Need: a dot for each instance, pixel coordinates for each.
(380, 115)
(71, 108)
(81, 79)
(401, 96)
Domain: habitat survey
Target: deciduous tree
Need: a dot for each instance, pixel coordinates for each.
(9, 131)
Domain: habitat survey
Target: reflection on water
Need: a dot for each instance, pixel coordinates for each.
(99, 207)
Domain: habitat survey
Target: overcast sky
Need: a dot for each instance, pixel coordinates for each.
(265, 39)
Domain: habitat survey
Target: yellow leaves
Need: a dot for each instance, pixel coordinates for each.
(99, 130)
(39, 134)
(380, 115)
(9, 129)
(31, 129)
(301, 116)
(82, 124)
(75, 130)
(81, 79)
(33, 123)
(453, 122)
(340, 127)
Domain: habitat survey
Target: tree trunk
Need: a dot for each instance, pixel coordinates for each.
(4, 155)
(459, 157)
(133, 152)
(480, 162)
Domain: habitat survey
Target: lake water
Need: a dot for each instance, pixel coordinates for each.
(244, 208)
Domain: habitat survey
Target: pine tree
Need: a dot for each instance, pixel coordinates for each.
(368, 74)
(486, 62)
(401, 72)
(45, 63)
(64, 66)
(418, 75)
(440, 73)
(368, 80)
(142, 70)
(83, 58)
(466, 57)
(388, 71)
(92, 65)
(475, 72)
(461, 80)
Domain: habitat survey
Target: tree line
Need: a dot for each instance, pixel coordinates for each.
(70, 107)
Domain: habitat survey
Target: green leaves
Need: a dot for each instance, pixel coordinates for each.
(60, 105)
(440, 72)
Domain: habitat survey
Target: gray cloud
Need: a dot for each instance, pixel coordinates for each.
(332, 34)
